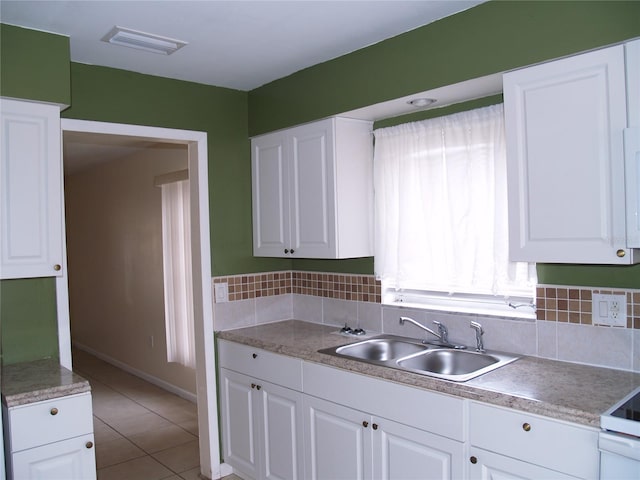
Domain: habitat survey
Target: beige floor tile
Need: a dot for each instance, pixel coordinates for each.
(135, 421)
(116, 409)
(191, 426)
(180, 458)
(103, 432)
(116, 451)
(156, 440)
(140, 423)
(231, 477)
(144, 468)
(193, 474)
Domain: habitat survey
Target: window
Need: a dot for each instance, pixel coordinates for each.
(176, 261)
(441, 239)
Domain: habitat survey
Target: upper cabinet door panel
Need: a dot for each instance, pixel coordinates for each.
(30, 190)
(312, 190)
(564, 123)
(270, 195)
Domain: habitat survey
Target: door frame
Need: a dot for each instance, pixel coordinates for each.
(196, 143)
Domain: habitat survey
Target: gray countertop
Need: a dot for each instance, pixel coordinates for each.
(561, 390)
(29, 382)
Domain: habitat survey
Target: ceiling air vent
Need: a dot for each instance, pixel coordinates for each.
(143, 41)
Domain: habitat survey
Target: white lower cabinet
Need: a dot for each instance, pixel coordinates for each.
(50, 440)
(261, 415)
(365, 428)
(262, 427)
(64, 460)
(345, 443)
(486, 465)
(512, 444)
(287, 419)
(337, 444)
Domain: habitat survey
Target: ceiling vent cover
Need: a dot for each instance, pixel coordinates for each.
(143, 41)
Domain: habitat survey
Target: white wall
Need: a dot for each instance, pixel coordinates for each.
(114, 244)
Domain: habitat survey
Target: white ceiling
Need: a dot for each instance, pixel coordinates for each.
(238, 44)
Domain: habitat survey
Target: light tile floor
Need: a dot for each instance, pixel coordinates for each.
(142, 432)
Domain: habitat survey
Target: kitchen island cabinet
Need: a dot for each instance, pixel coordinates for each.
(313, 190)
(48, 423)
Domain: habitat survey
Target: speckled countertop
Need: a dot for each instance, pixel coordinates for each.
(29, 382)
(561, 390)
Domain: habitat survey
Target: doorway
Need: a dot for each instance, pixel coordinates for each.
(196, 145)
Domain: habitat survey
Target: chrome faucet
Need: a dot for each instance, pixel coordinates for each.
(442, 335)
(479, 332)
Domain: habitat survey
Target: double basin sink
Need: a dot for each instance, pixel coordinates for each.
(413, 356)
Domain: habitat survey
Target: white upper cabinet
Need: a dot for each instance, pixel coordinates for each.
(632, 144)
(313, 190)
(30, 190)
(564, 125)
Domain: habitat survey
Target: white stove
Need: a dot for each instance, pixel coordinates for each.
(619, 441)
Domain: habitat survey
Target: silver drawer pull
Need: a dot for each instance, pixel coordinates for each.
(89, 444)
(526, 427)
(53, 411)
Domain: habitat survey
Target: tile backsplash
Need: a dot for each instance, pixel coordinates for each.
(361, 288)
(564, 328)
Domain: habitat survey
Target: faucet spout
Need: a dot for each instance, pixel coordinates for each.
(441, 335)
(419, 325)
(479, 332)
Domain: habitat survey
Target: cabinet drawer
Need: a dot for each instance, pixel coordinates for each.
(557, 445)
(267, 366)
(49, 421)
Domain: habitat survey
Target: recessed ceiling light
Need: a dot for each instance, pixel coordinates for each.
(422, 102)
(143, 41)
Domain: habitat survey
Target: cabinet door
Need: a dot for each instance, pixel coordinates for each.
(270, 177)
(337, 442)
(312, 190)
(30, 190)
(564, 121)
(632, 179)
(239, 423)
(72, 459)
(281, 432)
(485, 465)
(403, 452)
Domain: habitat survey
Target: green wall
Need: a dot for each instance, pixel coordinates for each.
(110, 95)
(493, 37)
(34, 65)
(489, 38)
(28, 316)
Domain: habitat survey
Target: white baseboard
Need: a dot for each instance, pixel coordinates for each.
(181, 392)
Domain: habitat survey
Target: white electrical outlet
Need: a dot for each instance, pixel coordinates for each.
(609, 310)
(221, 291)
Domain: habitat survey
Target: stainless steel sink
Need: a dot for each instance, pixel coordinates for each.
(460, 365)
(381, 349)
(413, 356)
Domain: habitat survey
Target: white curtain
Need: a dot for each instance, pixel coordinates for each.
(178, 289)
(441, 206)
